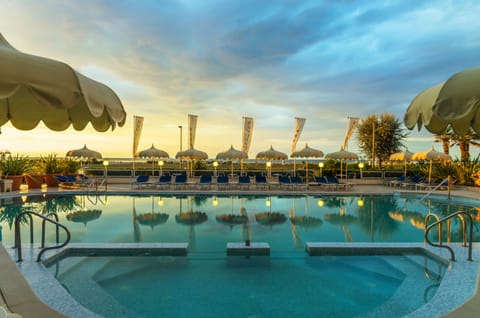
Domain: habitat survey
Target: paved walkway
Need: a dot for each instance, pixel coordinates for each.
(16, 295)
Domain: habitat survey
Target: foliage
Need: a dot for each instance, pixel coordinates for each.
(200, 165)
(16, 165)
(449, 139)
(388, 133)
(68, 165)
(50, 164)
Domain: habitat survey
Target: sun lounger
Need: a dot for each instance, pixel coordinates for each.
(205, 182)
(285, 182)
(261, 182)
(72, 182)
(244, 182)
(222, 182)
(140, 181)
(180, 181)
(164, 181)
(339, 185)
(297, 183)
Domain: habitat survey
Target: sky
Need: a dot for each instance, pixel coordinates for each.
(223, 60)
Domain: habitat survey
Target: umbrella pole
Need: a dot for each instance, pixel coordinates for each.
(405, 173)
(232, 168)
(430, 172)
(294, 167)
(306, 177)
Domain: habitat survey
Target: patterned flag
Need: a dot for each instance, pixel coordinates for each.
(192, 127)
(137, 131)
(247, 133)
(352, 125)
(297, 131)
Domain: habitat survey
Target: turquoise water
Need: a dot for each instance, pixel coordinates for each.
(289, 283)
(295, 286)
(293, 221)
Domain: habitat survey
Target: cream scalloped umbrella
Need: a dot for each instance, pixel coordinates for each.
(454, 102)
(342, 155)
(402, 156)
(232, 154)
(431, 155)
(191, 155)
(306, 152)
(152, 153)
(34, 89)
(271, 154)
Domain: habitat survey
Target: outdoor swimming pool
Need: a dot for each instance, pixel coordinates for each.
(256, 286)
(207, 223)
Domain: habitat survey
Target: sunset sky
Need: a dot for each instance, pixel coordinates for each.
(222, 60)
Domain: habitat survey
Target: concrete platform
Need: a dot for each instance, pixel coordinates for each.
(241, 249)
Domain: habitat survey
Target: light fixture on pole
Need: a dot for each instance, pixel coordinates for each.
(105, 166)
(360, 166)
(269, 169)
(160, 164)
(215, 165)
(321, 165)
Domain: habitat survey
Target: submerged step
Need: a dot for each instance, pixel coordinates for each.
(247, 249)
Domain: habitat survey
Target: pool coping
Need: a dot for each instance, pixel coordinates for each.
(457, 286)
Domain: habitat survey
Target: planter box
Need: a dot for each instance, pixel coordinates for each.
(16, 182)
(34, 181)
(50, 180)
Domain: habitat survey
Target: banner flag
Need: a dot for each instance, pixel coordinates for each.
(192, 127)
(137, 131)
(352, 125)
(247, 133)
(297, 131)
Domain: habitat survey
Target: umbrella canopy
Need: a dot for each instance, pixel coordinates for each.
(232, 154)
(84, 153)
(34, 89)
(191, 218)
(402, 156)
(306, 221)
(340, 219)
(270, 218)
(232, 219)
(192, 154)
(306, 152)
(431, 155)
(152, 152)
(271, 154)
(453, 102)
(84, 216)
(152, 219)
(342, 155)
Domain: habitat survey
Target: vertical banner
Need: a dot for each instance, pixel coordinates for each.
(297, 131)
(247, 133)
(137, 131)
(352, 125)
(192, 128)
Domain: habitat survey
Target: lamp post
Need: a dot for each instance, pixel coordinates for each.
(269, 169)
(320, 165)
(160, 164)
(215, 165)
(360, 166)
(105, 171)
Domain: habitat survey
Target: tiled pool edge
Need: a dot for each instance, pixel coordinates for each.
(457, 286)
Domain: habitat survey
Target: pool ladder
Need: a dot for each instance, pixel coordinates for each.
(45, 218)
(440, 221)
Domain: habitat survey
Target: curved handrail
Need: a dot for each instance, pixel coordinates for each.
(18, 242)
(437, 218)
(439, 222)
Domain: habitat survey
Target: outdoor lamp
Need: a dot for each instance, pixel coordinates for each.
(360, 166)
(269, 166)
(215, 165)
(215, 201)
(160, 164)
(268, 202)
(320, 165)
(360, 202)
(320, 202)
(105, 165)
(160, 202)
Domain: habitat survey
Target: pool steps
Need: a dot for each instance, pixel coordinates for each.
(248, 249)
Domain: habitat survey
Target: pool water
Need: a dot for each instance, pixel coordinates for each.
(286, 223)
(218, 286)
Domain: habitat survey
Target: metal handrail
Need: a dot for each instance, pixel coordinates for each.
(447, 179)
(448, 217)
(18, 241)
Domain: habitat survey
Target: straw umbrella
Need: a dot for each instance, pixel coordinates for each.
(271, 154)
(306, 152)
(453, 102)
(191, 155)
(342, 155)
(84, 153)
(152, 153)
(431, 155)
(402, 156)
(232, 154)
(34, 89)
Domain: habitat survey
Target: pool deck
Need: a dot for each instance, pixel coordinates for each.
(19, 297)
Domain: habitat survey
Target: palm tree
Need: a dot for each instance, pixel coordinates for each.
(450, 139)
